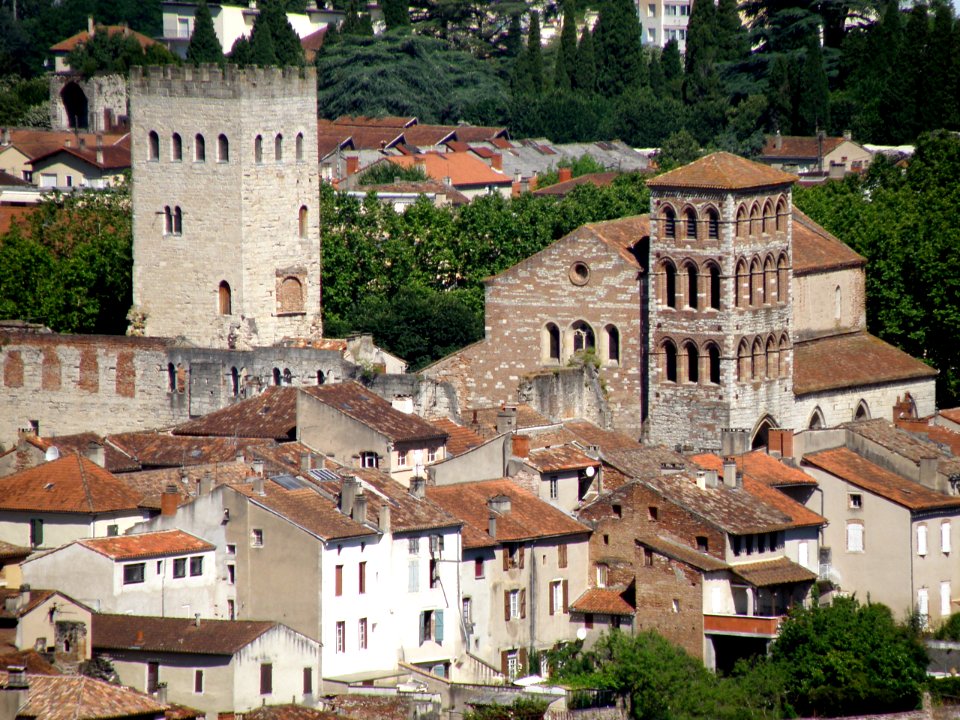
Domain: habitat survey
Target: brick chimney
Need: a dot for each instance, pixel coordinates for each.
(169, 500)
(496, 162)
(564, 174)
(521, 446)
(353, 164)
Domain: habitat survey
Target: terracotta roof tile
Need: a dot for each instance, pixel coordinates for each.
(72, 484)
(800, 147)
(355, 401)
(115, 460)
(847, 465)
(600, 179)
(761, 467)
(37, 596)
(722, 171)
(952, 414)
(778, 571)
(272, 414)
(147, 545)
(621, 235)
(370, 707)
(465, 170)
(153, 483)
(685, 554)
(907, 445)
(388, 121)
(290, 712)
(460, 438)
(529, 517)
(484, 420)
(175, 635)
(109, 158)
(71, 43)
(8, 180)
(602, 601)
(33, 661)
(646, 460)
(501, 142)
(557, 459)
(77, 697)
(816, 250)
(851, 360)
(8, 551)
(479, 133)
(152, 449)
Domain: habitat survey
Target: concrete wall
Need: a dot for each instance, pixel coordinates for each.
(289, 653)
(80, 573)
(178, 672)
(829, 302)
(41, 622)
(62, 528)
(484, 462)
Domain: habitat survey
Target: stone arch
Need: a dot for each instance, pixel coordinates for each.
(225, 298)
(713, 362)
(223, 148)
(781, 280)
(714, 288)
(755, 219)
(669, 290)
(741, 293)
(153, 146)
(612, 338)
(762, 430)
(299, 146)
(743, 361)
(258, 149)
(691, 284)
(769, 280)
(321, 377)
(783, 355)
(167, 220)
(772, 358)
(234, 381)
(691, 355)
(759, 364)
(816, 421)
(713, 223)
(75, 106)
(668, 353)
(742, 225)
(550, 343)
(303, 221)
(176, 148)
(769, 221)
(669, 218)
(199, 149)
(756, 283)
(837, 303)
(177, 221)
(291, 295)
(582, 337)
(277, 379)
(781, 214)
(171, 377)
(862, 412)
(690, 223)
(278, 147)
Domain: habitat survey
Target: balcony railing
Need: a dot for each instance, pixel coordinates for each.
(745, 625)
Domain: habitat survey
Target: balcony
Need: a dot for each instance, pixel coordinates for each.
(742, 625)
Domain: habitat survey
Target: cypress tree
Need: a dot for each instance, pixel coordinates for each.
(943, 66)
(702, 81)
(813, 103)
(585, 74)
(918, 68)
(286, 42)
(619, 54)
(396, 13)
(672, 68)
(535, 54)
(567, 54)
(262, 50)
(240, 53)
(779, 96)
(514, 41)
(204, 46)
(658, 83)
(733, 44)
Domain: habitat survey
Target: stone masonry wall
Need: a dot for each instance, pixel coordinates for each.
(670, 601)
(106, 101)
(241, 210)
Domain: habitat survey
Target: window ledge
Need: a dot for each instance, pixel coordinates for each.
(292, 313)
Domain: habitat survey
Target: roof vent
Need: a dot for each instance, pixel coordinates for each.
(499, 504)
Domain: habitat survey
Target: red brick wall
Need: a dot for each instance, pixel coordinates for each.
(89, 378)
(13, 369)
(658, 586)
(126, 384)
(50, 378)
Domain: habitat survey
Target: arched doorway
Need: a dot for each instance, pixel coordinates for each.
(762, 432)
(75, 106)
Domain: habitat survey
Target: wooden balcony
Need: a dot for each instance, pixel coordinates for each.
(742, 625)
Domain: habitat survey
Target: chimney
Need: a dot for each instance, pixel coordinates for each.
(5, 136)
(418, 487)
(711, 477)
(521, 445)
(701, 479)
(68, 143)
(161, 693)
(499, 504)
(258, 468)
(847, 135)
(94, 453)
(258, 486)
(729, 472)
(492, 525)
(564, 174)
(734, 441)
(306, 462)
(17, 677)
(448, 181)
(928, 471)
(24, 595)
(99, 140)
(780, 442)
(348, 492)
(99, 156)
(496, 162)
(353, 164)
(506, 420)
(778, 141)
(169, 500)
(196, 619)
(383, 519)
(359, 513)
(206, 483)
(403, 403)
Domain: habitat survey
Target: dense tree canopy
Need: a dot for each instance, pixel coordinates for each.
(204, 45)
(107, 53)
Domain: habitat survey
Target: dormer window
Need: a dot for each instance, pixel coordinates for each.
(369, 459)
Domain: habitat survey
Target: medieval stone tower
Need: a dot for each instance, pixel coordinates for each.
(225, 205)
(719, 345)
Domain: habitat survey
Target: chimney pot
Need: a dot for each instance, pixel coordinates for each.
(306, 462)
(729, 472)
(564, 174)
(258, 487)
(418, 487)
(359, 513)
(492, 525)
(383, 520)
(258, 468)
(348, 492)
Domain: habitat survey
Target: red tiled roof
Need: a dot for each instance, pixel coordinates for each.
(115, 460)
(370, 707)
(389, 121)
(71, 43)
(111, 158)
(460, 438)
(529, 517)
(602, 601)
(72, 484)
(951, 414)
(175, 635)
(760, 466)
(33, 143)
(271, 414)
(685, 554)
(851, 360)
(33, 661)
(484, 420)
(153, 449)
(589, 434)
(847, 465)
(907, 445)
(722, 171)
(37, 596)
(147, 545)
(501, 142)
(355, 401)
(312, 43)
(186, 480)
(816, 250)
(290, 712)
(307, 509)
(8, 551)
(77, 697)
(8, 180)
(600, 179)
(806, 147)
(465, 170)
(558, 459)
(778, 571)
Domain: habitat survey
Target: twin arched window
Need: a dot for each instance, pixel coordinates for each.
(579, 337)
(686, 287)
(763, 282)
(762, 359)
(172, 220)
(690, 363)
(767, 221)
(693, 227)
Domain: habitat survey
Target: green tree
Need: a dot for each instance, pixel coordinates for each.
(702, 81)
(672, 67)
(204, 46)
(116, 54)
(528, 66)
(396, 13)
(567, 53)
(620, 60)
(514, 38)
(583, 165)
(520, 709)
(585, 72)
(241, 53)
(813, 110)
(386, 172)
(678, 149)
(356, 23)
(779, 96)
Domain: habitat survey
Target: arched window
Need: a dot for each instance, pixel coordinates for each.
(743, 361)
(669, 284)
(199, 149)
(171, 377)
(713, 355)
(299, 147)
(781, 215)
(773, 358)
(235, 381)
(816, 420)
(303, 221)
(742, 290)
(167, 220)
(583, 337)
(287, 376)
(759, 370)
(755, 219)
(769, 221)
(321, 378)
(690, 218)
(291, 295)
(669, 223)
(713, 224)
(176, 148)
(613, 344)
(714, 286)
(863, 411)
(762, 434)
(837, 303)
(693, 362)
(756, 283)
(692, 282)
(276, 376)
(669, 361)
(177, 221)
(258, 149)
(782, 355)
(225, 298)
(782, 284)
(742, 227)
(551, 343)
(153, 146)
(278, 147)
(223, 148)
(769, 281)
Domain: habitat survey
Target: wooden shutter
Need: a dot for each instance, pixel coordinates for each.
(566, 597)
(523, 603)
(503, 663)
(506, 604)
(438, 626)
(339, 580)
(562, 555)
(506, 557)
(521, 557)
(550, 593)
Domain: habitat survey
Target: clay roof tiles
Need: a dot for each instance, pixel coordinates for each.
(8, 180)
(759, 466)
(722, 171)
(152, 449)
(175, 635)
(558, 459)
(600, 179)
(602, 601)
(460, 438)
(290, 712)
(77, 697)
(799, 146)
(72, 484)
(147, 545)
(465, 169)
(850, 467)
(484, 420)
(153, 483)
(851, 360)
(529, 517)
(685, 554)
(72, 42)
(903, 443)
(272, 414)
(355, 401)
(111, 157)
(778, 571)
(37, 596)
(952, 414)
(816, 250)
(31, 660)
(115, 460)
(9, 551)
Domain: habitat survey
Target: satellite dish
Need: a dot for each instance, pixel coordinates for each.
(582, 634)
(51, 454)
(591, 471)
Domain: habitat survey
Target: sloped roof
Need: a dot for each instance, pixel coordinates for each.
(72, 42)
(115, 460)
(778, 571)
(272, 414)
(847, 465)
(147, 545)
(760, 466)
(8, 180)
(621, 235)
(952, 414)
(685, 554)
(112, 157)
(806, 147)
(9, 551)
(154, 449)
(37, 596)
(355, 401)
(903, 443)
(290, 712)
(459, 438)
(153, 483)
(600, 179)
(602, 601)
(175, 635)
(851, 360)
(33, 661)
(465, 169)
(529, 517)
(72, 484)
(77, 697)
(484, 420)
(722, 171)
(560, 458)
(34, 143)
(589, 434)
(816, 250)
(11, 214)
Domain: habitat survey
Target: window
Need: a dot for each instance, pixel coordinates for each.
(362, 583)
(258, 149)
(669, 223)
(413, 546)
(675, 605)
(653, 513)
(180, 567)
(693, 362)
(338, 581)
(613, 344)
(647, 557)
(855, 501)
(133, 573)
(401, 458)
(601, 575)
(299, 147)
(431, 455)
(69, 180)
(703, 543)
(713, 357)
(552, 342)
(945, 537)
(945, 599)
(231, 574)
(196, 566)
(588, 621)
(713, 224)
(36, 532)
(113, 530)
(308, 681)
(651, 10)
(303, 221)
(431, 626)
(256, 538)
(513, 664)
(670, 285)
(153, 676)
(362, 634)
(225, 298)
(467, 610)
(183, 28)
(153, 146)
(199, 149)
(223, 148)
(670, 361)
(231, 549)
(266, 678)
(691, 222)
(198, 681)
(554, 487)
(176, 148)
(921, 540)
(583, 337)
(369, 460)
(413, 576)
(478, 567)
(278, 148)
(855, 537)
(558, 597)
(923, 605)
(513, 605)
(177, 221)
(341, 636)
(231, 609)
(167, 220)
(434, 573)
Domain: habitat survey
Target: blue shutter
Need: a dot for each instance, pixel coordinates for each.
(438, 625)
